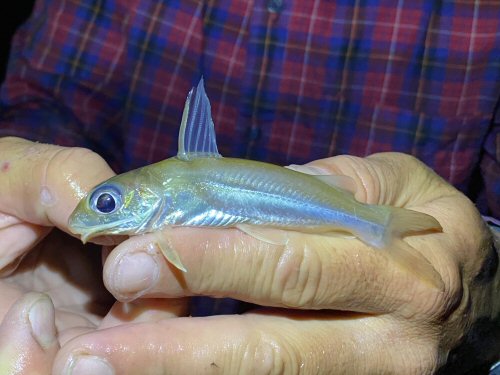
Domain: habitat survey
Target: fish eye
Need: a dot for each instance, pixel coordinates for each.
(105, 203)
(105, 200)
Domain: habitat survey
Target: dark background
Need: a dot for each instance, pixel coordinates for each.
(12, 15)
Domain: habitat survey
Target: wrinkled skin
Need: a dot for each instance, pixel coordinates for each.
(392, 323)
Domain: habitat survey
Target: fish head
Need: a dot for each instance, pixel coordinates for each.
(121, 205)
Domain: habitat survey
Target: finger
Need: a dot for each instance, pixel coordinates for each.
(10, 294)
(388, 178)
(16, 239)
(253, 343)
(401, 180)
(145, 310)
(317, 272)
(42, 183)
(28, 341)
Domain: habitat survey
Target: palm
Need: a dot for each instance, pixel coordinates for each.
(71, 275)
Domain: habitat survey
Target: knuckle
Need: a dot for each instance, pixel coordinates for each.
(267, 355)
(298, 276)
(427, 304)
(72, 159)
(229, 247)
(364, 176)
(74, 171)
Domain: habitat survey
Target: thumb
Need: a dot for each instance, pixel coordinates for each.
(28, 341)
(42, 184)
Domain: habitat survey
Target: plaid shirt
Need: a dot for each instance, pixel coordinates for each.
(290, 81)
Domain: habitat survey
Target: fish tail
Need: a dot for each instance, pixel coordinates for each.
(401, 223)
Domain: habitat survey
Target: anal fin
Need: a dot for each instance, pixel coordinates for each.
(269, 235)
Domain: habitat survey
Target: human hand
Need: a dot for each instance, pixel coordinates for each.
(38, 185)
(54, 282)
(333, 304)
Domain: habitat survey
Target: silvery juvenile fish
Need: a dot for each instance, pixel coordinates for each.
(200, 188)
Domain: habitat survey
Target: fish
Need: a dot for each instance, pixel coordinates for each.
(200, 188)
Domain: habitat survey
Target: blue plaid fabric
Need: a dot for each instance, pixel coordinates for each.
(289, 81)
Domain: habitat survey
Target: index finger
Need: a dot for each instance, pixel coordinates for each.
(309, 272)
(42, 183)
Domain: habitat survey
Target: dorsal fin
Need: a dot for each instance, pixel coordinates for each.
(197, 133)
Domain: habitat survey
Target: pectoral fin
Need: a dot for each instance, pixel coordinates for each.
(168, 251)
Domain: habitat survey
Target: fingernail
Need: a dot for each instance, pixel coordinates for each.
(41, 318)
(136, 273)
(89, 364)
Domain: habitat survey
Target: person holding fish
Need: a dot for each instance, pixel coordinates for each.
(365, 262)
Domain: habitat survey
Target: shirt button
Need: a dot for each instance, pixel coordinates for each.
(274, 6)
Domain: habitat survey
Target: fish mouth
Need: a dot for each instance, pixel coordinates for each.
(86, 233)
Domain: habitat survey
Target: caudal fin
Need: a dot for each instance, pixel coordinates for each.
(405, 222)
